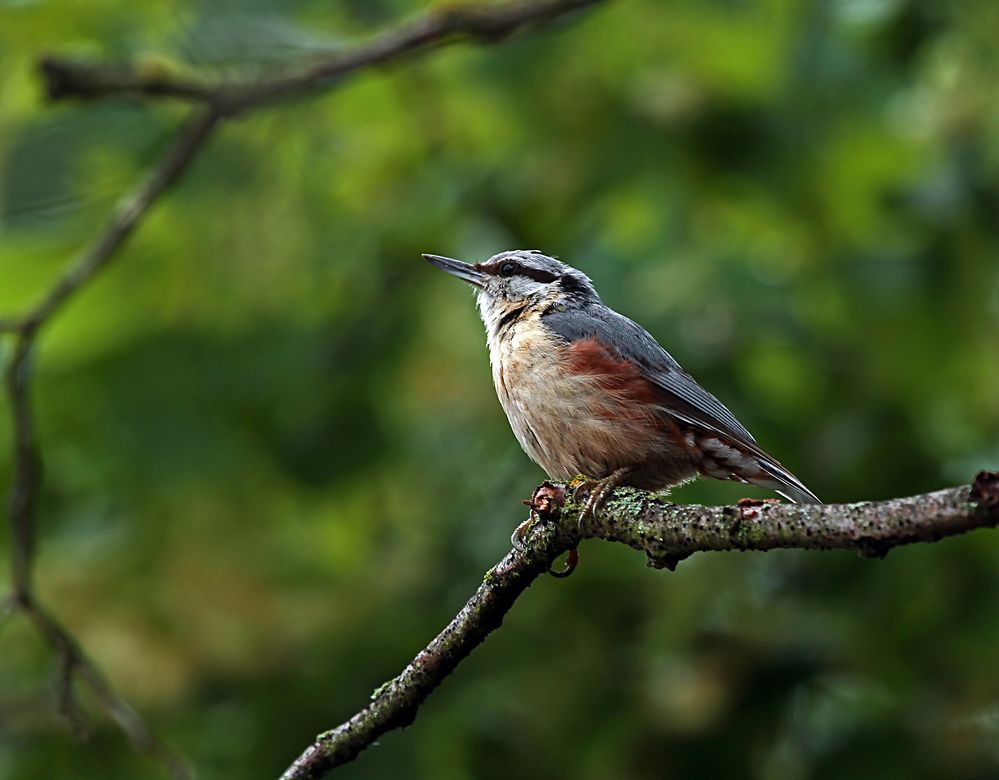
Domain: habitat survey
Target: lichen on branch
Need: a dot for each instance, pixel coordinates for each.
(666, 533)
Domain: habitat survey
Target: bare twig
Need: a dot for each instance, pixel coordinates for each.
(67, 78)
(667, 533)
(75, 79)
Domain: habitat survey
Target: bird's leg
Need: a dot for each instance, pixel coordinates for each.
(599, 491)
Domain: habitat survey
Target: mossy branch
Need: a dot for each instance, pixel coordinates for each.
(667, 533)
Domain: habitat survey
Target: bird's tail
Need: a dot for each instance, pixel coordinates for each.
(774, 476)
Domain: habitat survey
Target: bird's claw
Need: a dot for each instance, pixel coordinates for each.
(571, 562)
(517, 538)
(597, 492)
(545, 504)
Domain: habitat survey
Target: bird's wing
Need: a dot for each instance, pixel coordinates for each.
(679, 392)
(632, 342)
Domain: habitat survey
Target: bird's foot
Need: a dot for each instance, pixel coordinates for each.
(597, 492)
(587, 491)
(517, 538)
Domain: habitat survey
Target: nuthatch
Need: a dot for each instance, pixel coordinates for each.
(587, 391)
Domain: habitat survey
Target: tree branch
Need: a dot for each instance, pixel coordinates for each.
(67, 78)
(667, 533)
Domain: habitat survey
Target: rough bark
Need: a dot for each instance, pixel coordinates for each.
(666, 533)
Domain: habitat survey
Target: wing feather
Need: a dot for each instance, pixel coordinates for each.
(685, 398)
(631, 341)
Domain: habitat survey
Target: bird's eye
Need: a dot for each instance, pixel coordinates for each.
(507, 269)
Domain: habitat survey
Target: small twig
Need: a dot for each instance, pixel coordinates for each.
(667, 533)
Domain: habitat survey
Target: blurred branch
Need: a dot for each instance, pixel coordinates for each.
(72, 79)
(23, 498)
(74, 663)
(667, 533)
(128, 214)
(67, 78)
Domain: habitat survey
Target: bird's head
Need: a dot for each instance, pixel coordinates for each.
(520, 280)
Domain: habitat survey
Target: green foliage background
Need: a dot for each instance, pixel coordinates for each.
(275, 462)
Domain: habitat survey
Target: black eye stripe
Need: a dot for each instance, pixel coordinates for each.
(502, 269)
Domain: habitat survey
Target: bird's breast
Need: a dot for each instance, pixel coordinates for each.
(571, 408)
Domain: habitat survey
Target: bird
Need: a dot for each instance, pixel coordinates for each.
(589, 392)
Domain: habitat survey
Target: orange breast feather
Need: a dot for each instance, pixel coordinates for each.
(629, 394)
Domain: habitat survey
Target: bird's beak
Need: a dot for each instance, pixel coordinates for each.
(464, 271)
